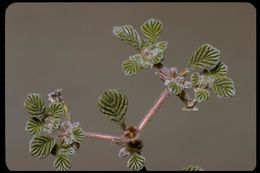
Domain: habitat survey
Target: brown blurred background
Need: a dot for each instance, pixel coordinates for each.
(71, 46)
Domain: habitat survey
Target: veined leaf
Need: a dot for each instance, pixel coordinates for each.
(146, 43)
(158, 58)
(56, 109)
(136, 162)
(223, 87)
(201, 94)
(78, 134)
(195, 78)
(34, 104)
(146, 63)
(220, 70)
(113, 105)
(174, 88)
(51, 124)
(62, 162)
(132, 65)
(206, 56)
(162, 45)
(192, 168)
(128, 34)
(152, 28)
(41, 146)
(34, 126)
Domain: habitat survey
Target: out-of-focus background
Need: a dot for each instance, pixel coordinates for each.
(71, 46)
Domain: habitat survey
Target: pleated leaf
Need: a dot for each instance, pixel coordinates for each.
(78, 134)
(220, 70)
(192, 168)
(52, 124)
(158, 58)
(132, 65)
(127, 34)
(152, 28)
(146, 43)
(34, 126)
(56, 109)
(34, 104)
(206, 56)
(62, 162)
(41, 146)
(201, 94)
(195, 78)
(174, 88)
(223, 87)
(113, 105)
(136, 162)
(162, 45)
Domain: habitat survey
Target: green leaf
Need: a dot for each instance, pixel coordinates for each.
(195, 78)
(206, 56)
(56, 109)
(34, 126)
(192, 168)
(146, 63)
(174, 88)
(127, 34)
(132, 65)
(113, 105)
(41, 146)
(162, 45)
(51, 124)
(146, 43)
(34, 104)
(152, 28)
(220, 70)
(223, 87)
(136, 162)
(78, 134)
(158, 58)
(62, 162)
(201, 94)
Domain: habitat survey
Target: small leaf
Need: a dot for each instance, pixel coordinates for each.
(192, 168)
(132, 65)
(146, 63)
(55, 109)
(113, 105)
(51, 124)
(158, 58)
(62, 162)
(201, 94)
(34, 126)
(34, 104)
(41, 146)
(220, 70)
(162, 45)
(78, 134)
(136, 162)
(174, 88)
(146, 43)
(223, 87)
(195, 78)
(152, 28)
(206, 56)
(127, 34)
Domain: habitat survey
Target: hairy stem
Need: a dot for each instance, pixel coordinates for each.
(157, 104)
(107, 137)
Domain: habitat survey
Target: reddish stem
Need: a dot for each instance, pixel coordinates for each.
(107, 137)
(157, 104)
